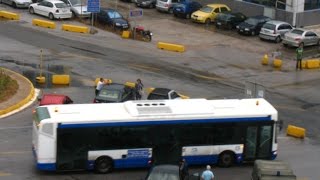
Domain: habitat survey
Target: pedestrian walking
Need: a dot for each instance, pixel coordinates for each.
(100, 84)
(183, 170)
(299, 53)
(207, 174)
(138, 89)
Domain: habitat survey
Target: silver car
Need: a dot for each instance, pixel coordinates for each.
(302, 37)
(78, 8)
(274, 30)
(17, 3)
(167, 5)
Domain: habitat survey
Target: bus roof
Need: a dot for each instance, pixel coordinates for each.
(144, 110)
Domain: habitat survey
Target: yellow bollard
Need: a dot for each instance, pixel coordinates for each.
(265, 60)
(40, 79)
(277, 63)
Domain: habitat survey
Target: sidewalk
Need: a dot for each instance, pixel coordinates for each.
(25, 95)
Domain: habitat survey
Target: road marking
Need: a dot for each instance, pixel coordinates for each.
(17, 127)
(137, 66)
(4, 174)
(14, 152)
(207, 77)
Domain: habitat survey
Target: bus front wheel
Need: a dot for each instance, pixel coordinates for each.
(226, 159)
(103, 165)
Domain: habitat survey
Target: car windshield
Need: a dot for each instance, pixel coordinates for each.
(297, 31)
(206, 9)
(114, 15)
(252, 21)
(61, 5)
(76, 2)
(223, 16)
(109, 94)
(269, 26)
(163, 175)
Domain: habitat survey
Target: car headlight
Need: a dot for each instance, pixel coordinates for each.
(237, 27)
(246, 29)
(117, 24)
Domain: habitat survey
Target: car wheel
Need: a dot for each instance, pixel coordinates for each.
(51, 17)
(285, 45)
(175, 15)
(278, 39)
(170, 11)
(226, 159)
(151, 6)
(229, 27)
(207, 22)
(103, 165)
(253, 33)
(31, 10)
(188, 16)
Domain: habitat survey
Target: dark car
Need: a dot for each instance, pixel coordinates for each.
(163, 93)
(113, 93)
(168, 172)
(229, 20)
(48, 99)
(112, 18)
(186, 8)
(146, 3)
(252, 25)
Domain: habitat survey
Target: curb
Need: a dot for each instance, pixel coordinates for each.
(21, 103)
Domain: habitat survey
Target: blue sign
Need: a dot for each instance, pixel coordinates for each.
(138, 153)
(93, 6)
(136, 13)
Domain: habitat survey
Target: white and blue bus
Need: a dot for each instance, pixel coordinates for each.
(131, 134)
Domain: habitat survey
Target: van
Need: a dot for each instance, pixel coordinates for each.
(272, 170)
(167, 5)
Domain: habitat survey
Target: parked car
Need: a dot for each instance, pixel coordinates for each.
(48, 99)
(17, 3)
(112, 18)
(252, 25)
(54, 9)
(186, 8)
(146, 3)
(229, 19)
(274, 30)
(300, 36)
(78, 8)
(168, 172)
(272, 170)
(208, 13)
(167, 5)
(115, 93)
(163, 93)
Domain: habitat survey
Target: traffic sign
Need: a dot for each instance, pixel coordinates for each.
(93, 6)
(136, 13)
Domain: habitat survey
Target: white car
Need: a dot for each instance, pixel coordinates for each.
(53, 9)
(17, 3)
(78, 8)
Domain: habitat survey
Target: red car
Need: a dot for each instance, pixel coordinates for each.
(48, 99)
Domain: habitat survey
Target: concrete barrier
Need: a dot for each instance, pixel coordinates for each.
(312, 63)
(9, 15)
(109, 81)
(43, 23)
(61, 79)
(296, 131)
(171, 47)
(265, 60)
(125, 34)
(277, 63)
(74, 28)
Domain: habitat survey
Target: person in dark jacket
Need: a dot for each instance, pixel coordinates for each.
(184, 170)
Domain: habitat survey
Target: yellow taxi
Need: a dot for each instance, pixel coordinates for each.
(208, 13)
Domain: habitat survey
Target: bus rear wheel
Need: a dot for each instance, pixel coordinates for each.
(226, 159)
(103, 165)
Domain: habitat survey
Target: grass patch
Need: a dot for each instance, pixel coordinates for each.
(8, 86)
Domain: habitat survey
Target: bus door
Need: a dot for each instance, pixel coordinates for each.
(258, 142)
(166, 147)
